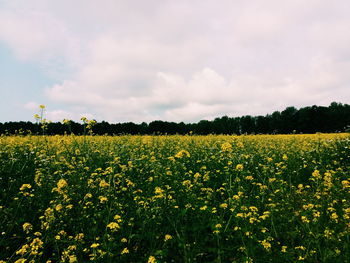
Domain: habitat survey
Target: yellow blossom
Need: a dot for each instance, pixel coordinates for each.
(167, 237)
(95, 245)
(239, 167)
(226, 147)
(104, 184)
(62, 183)
(113, 226)
(182, 153)
(103, 199)
(25, 187)
(266, 244)
(151, 259)
(27, 227)
(125, 251)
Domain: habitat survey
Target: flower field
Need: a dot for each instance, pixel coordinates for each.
(261, 198)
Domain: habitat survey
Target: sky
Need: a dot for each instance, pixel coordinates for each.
(183, 60)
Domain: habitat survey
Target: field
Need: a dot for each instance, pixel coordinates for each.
(277, 198)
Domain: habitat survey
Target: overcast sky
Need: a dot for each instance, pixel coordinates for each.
(182, 60)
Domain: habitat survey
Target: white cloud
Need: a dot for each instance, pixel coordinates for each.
(31, 105)
(184, 60)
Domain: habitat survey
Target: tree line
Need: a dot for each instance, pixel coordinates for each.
(311, 119)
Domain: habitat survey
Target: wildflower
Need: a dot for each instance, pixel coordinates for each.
(186, 183)
(182, 153)
(58, 207)
(113, 226)
(345, 183)
(253, 208)
(25, 187)
(66, 121)
(304, 219)
(125, 251)
(271, 180)
(159, 192)
(62, 183)
(95, 245)
(72, 258)
(88, 195)
(104, 184)
(266, 244)
(27, 227)
(284, 249)
(118, 218)
(35, 245)
(21, 260)
(285, 157)
(124, 240)
(239, 167)
(316, 174)
(167, 237)
(226, 147)
(151, 259)
(103, 199)
(22, 250)
(334, 216)
(223, 205)
(328, 233)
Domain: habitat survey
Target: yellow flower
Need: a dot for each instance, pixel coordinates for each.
(159, 192)
(305, 219)
(266, 244)
(284, 249)
(239, 167)
(22, 250)
(72, 258)
(42, 106)
(223, 205)
(25, 186)
(103, 199)
(334, 216)
(61, 183)
(95, 245)
(226, 147)
(316, 174)
(182, 153)
(104, 184)
(21, 260)
(203, 208)
(118, 218)
(27, 227)
(58, 207)
(151, 259)
(125, 251)
(167, 237)
(123, 240)
(113, 226)
(35, 246)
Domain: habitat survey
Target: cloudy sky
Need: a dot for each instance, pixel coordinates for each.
(182, 60)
